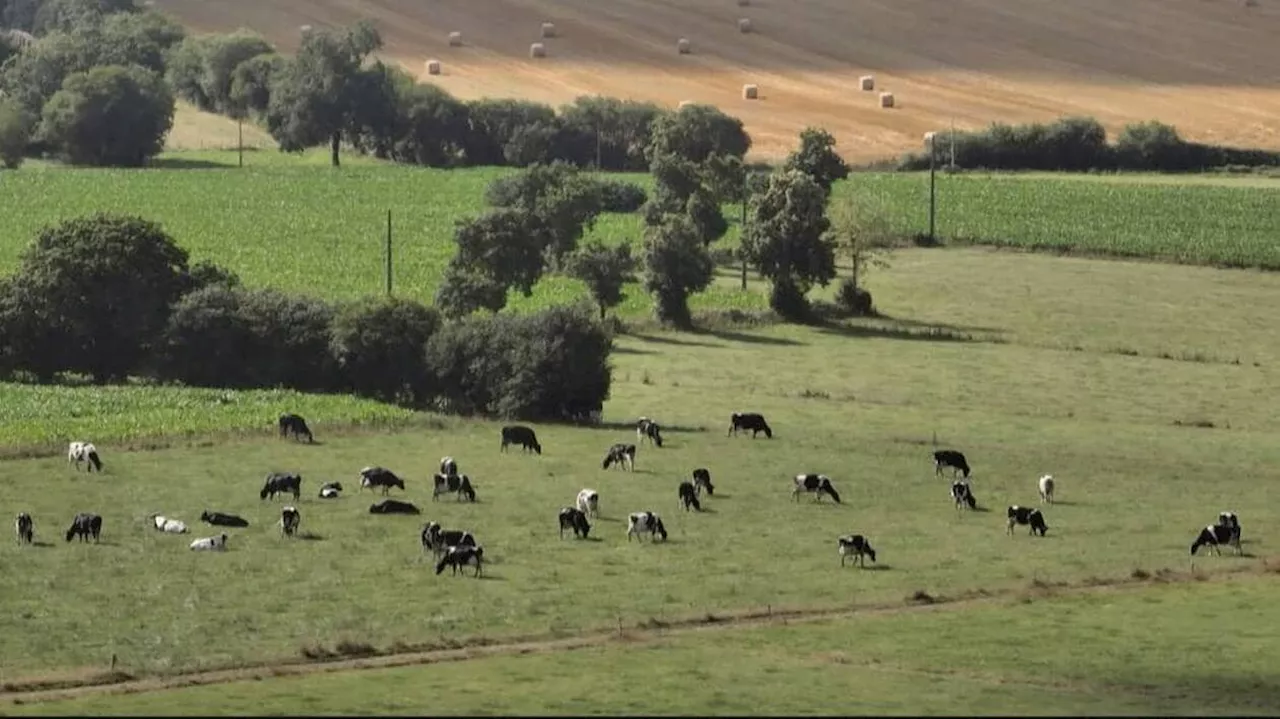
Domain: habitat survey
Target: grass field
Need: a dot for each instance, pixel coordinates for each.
(1154, 650)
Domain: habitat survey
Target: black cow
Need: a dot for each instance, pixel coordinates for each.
(702, 480)
(330, 490)
(438, 540)
(689, 496)
(394, 506)
(521, 435)
(221, 519)
(297, 426)
(371, 477)
(85, 525)
(858, 546)
(460, 556)
(648, 429)
(950, 458)
(749, 421)
(25, 527)
(623, 455)
(1029, 516)
(289, 521)
(815, 484)
(453, 483)
(1226, 531)
(962, 493)
(280, 483)
(573, 518)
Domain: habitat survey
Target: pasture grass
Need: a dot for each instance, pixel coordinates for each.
(1155, 650)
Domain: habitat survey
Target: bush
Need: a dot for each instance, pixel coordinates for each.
(15, 132)
(380, 346)
(109, 116)
(617, 196)
(853, 300)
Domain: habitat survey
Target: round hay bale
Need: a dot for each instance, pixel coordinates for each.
(433, 67)
(744, 24)
(683, 47)
(744, 3)
(537, 50)
(305, 28)
(886, 99)
(455, 39)
(548, 29)
(750, 92)
(929, 138)
(867, 83)
(684, 103)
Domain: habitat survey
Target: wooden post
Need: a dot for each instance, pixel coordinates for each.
(388, 252)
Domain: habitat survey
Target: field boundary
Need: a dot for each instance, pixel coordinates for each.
(114, 682)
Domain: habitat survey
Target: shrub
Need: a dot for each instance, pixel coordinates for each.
(617, 196)
(380, 345)
(854, 300)
(109, 116)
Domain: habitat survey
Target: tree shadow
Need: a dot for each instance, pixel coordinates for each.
(907, 322)
(924, 334)
(731, 336)
(631, 427)
(187, 163)
(669, 341)
(632, 351)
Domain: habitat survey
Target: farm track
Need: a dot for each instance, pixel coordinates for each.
(37, 689)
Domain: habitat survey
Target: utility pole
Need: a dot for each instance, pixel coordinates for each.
(388, 252)
(742, 239)
(239, 141)
(933, 204)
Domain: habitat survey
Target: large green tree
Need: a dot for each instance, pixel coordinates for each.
(787, 240)
(816, 157)
(676, 265)
(604, 270)
(109, 116)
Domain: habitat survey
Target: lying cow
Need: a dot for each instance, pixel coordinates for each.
(1027, 516)
(331, 490)
(168, 525)
(394, 506)
(222, 519)
(210, 544)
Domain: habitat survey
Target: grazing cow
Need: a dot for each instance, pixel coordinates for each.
(461, 485)
(1226, 531)
(624, 455)
(222, 519)
(950, 458)
(281, 482)
(858, 546)
(749, 421)
(815, 484)
(962, 493)
(169, 526)
(330, 490)
(521, 435)
(638, 522)
(297, 426)
(394, 506)
(648, 429)
(79, 452)
(210, 544)
(438, 540)
(689, 496)
(25, 527)
(371, 477)
(448, 467)
(702, 480)
(289, 521)
(1029, 516)
(589, 502)
(1046, 489)
(85, 525)
(460, 556)
(575, 519)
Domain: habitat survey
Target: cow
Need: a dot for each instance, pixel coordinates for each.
(702, 480)
(688, 496)
(962, 493)
(574, 518)
(460, 556)
(210, 544)
(858, 546)
(437, 540)
(168, 525)
(589, 502)
(1046, 489)
(78, 452)
(222, 519)
(448, 466)
(85, 525)
(289, 521)
(25, 528)
(749, 421)
(623, 455)
(1029, 516)
(950, 458)
(638, 522)
(648, 429)
(371, 477)
(297, 426)
(815, 484)
(330, 490)
(394, 506)
(280, 483)
(461, 485)
(1226, 531)
(521, 435)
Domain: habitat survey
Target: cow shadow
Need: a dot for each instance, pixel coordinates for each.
(486, 577)
(719, 496)
(43, 545)
(873, 567)
(631, 428)
(981, 510)
(1062, 503)
(310, 537)
(704, 510)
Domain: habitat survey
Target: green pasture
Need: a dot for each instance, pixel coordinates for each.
(1183, 649)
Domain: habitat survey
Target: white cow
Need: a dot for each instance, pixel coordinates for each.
(169, 526)
(78, 452)
(589, 502)
(210, 544)
(645, 522)
(1046, 488)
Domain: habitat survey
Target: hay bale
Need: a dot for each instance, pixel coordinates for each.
(886, 99)
(684, 103)
(433, 67)
(750, 92)
(305, 28)
(929, 138)
(744, 24)
(867, 83)
(548, 29)
(537, 50)
(683, 47)
(455, 39)
(744, 3)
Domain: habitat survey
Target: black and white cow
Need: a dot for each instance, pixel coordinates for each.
(962, 493)
(437, 540)
(950, 458)
(576, 520)
(1226, 531)
(702, 480)
(858, 546)
(623, 455)
(222, 519)
(289, 521)
(749, 421)
(815, 484)
(458, 484)
(394, 506)
(85, 525)
(1046, 489)
(331, 490)
(1028, 516)
(210, 544)
(297, 426)
(371, 477)
(460, 556)
(78, 452)
(688, 496)
(281, 483)
(25, 528)
(648, 429)
(589, 502)
(448, 466)
(639, 522)
(521, 435)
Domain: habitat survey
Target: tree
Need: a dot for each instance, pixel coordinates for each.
(817, 158)
(564, 201)
(509, 132)
(16, 125)
(604, 270)
(504, 244)
(433, 127)
(787, 240)
(463, 291)
(251, 81)
(614, 132)
(676, 265)
(109, 116)
(380, 348)
(698, 133)
(35, 74)
(860, 230)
